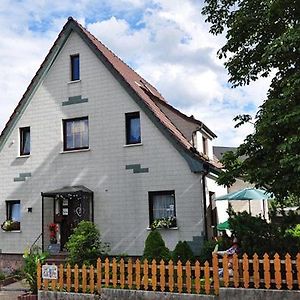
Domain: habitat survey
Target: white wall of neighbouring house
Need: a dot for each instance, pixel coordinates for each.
(121, 209)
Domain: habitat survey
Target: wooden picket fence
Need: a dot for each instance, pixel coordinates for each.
(196, 278)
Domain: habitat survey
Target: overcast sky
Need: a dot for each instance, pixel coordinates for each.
(165, 41)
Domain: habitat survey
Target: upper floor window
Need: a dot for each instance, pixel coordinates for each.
(75, 71)
(133, 128)
(76, 133)
(162, 208)
(25, 141)
(205, 145)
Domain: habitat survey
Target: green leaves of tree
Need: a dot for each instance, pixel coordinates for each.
(263, 39)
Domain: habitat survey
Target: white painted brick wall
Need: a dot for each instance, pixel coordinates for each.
(120, 197)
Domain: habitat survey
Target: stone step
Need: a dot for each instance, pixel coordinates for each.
(57, 259)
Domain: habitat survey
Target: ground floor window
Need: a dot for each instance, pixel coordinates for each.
(162, 211)
(13, 215)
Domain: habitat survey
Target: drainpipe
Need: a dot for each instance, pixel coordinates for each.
(205, 172)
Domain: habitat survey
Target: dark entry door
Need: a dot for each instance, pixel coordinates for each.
(73, 210)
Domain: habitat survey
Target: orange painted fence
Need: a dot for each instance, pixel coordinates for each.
(265, 273)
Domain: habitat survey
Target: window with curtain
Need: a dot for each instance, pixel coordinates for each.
(161, 205)
(76, 134)
(133, 128)
(25, 141)
(13, 213)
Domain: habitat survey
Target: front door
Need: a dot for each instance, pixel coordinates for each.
(72, 209)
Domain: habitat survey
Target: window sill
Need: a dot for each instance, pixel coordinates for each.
(75, 151)
(12, 231)
(23, 156)
(133, 145)
(170, 228)
(74, 81)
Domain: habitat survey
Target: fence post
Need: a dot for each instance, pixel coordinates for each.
(197, 277)
(61, 277)
(92, 279)
(162, 282)
(114, 273)
(145, 281)
(298, 269)
(236, 274)
(246, 276)
(277, 267)
(129, 271)
(83, 278)
(171, 276)
(225, 270)
(106, 272)
(99, 275)
(256, 271)
(122, 273)
(179, 276)
(289, 274)
(267, 271)
(153, 271)
(76, 280)
(68, 278)
(215, 263)
(206, 276)
(188, 277)
(138, 274)
(39, 280)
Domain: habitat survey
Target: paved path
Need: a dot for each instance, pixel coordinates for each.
(12, 291)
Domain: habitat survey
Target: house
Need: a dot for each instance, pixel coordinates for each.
(92, 140)
(255, 207)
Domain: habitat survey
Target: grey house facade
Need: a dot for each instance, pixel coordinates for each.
(90, 139)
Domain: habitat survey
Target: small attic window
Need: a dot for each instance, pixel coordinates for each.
(75, 72)
(205, 145)
(24, 141)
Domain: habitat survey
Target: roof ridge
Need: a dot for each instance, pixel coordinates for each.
(117, 57)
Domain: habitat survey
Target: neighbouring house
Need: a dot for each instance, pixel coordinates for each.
(92, 140)
(255, 207)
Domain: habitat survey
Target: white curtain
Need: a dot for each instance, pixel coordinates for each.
(163, 206)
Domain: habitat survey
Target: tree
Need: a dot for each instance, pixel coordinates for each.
(263, 39)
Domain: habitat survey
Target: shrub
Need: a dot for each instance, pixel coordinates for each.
(31, 259)
(258, 236)
(155, 248)
(206, 251)
(183, 252)
(85, 244)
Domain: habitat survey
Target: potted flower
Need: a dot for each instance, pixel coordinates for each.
(53, 230)
(166, 222)
(10, 225)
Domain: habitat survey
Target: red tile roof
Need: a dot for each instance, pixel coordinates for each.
(145, 91)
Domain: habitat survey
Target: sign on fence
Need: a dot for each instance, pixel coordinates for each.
(49, 272)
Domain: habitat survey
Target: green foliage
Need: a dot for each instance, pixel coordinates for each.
(155, 248)
(85, 244)
(31, 259)
(295, 232)
(183, 252)
(263, 39)
(2, 276)
(258, 236)
(206, 250)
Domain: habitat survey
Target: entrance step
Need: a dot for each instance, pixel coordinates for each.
(57, 259)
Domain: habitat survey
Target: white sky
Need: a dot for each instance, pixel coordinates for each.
(166, 41)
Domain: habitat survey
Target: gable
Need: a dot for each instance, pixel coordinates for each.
(134, 85)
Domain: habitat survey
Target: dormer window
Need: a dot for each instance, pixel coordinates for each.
(24, 141)
(75, 71)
